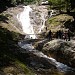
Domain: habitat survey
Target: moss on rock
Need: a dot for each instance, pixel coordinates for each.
(58, 22)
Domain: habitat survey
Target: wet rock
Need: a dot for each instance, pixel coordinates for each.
(38, 17)
(63, 51)
(36, 61)
(40, 62)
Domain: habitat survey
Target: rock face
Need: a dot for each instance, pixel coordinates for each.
(38, 17)
(9, 19)
(63, 51)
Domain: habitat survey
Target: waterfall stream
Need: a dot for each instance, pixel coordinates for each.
(24, 19)
(43, 16)
(28, 47)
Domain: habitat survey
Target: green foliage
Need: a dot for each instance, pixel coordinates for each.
(60, 21)
(60, 4)
(57, 4)
(8, 3)
(24, 67)
(28, 1)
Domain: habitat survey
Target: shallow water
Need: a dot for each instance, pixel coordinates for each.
(60, 66)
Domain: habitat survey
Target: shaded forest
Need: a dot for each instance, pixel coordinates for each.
(68, 5)
(4, 4)
(55, 4)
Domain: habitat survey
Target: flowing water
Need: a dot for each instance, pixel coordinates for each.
(43, 17)
(28, 47)
(28, 29)
(24, 18)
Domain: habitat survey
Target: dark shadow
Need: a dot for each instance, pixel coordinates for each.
(3, 19)
(72, 14)
(8, 47)
(70, 72)
(5, 4)
(70, 24)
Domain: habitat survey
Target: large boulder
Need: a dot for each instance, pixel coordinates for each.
(63, 51)
(8, 19)
(61, 21)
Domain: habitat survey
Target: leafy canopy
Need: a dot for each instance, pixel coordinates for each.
(60, 4)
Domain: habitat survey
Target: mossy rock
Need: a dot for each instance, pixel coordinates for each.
(58, 22)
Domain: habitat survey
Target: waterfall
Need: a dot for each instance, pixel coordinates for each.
(43, 17)
(43, 22)
(24, 19)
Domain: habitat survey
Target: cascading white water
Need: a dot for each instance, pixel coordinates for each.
(43, 22)
(24, 19)
(43, 18)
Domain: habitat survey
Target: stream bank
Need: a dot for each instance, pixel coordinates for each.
(41, 63)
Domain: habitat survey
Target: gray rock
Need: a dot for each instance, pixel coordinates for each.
(63, 51)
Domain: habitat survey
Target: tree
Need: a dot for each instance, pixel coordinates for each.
(60, 4)
(67, 5)
(72, 4)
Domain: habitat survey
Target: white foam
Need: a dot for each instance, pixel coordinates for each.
(24, 18)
